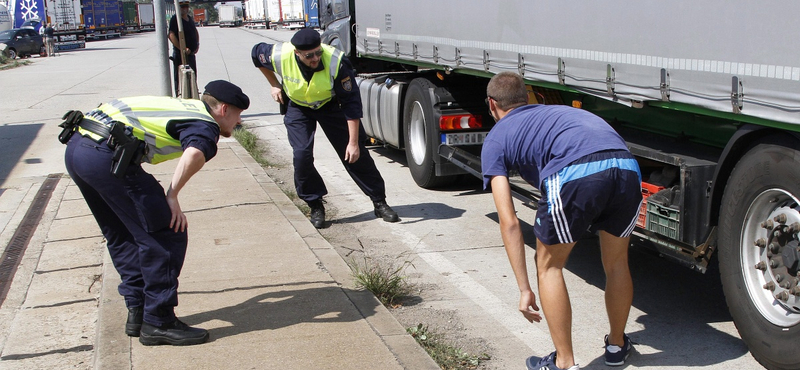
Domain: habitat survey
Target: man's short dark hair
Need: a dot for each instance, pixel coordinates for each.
(508, 90)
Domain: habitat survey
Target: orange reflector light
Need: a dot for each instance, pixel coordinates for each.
(577, 104)
(460, 122)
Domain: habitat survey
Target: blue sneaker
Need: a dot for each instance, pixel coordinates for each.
(546, 363)
(616, 355)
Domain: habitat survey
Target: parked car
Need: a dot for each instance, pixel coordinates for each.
(21, 42)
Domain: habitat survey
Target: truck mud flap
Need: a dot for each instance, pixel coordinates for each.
(472, 164)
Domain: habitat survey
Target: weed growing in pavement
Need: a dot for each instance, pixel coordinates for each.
(386, 280)
(8, 63)
(446, 356)
(249, 142)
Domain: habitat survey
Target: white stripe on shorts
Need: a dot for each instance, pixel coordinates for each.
(556, 207)
(629, 230)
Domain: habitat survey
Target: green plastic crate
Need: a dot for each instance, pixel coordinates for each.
(663, 220)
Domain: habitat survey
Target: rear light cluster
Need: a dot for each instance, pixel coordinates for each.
(460, 122)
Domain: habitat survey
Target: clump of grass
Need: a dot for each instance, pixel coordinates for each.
(447, 356)
(249, 142)
(8, 63)
(386, 280)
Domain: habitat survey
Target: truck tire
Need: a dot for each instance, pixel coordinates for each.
(758, 266)
(422, 135)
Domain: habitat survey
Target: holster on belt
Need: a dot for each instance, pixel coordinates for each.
(127, 148)
(285, 105)
(70, 125)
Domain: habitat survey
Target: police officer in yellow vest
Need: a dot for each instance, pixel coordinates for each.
(144, 227)
(320, 84)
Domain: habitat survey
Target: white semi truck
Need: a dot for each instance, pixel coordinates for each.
(706, 94)
(230, 16)
(286, 14)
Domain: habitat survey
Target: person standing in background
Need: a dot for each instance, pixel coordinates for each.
(192, 39)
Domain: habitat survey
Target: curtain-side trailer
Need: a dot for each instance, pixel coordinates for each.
(707, 96)
(102, 18)
(130, 15)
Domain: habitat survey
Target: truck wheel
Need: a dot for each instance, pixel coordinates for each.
(759, 253)
(422, 135)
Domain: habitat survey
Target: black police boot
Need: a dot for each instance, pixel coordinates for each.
(176, 333)
(134, 324)
(317, 213)
(382, 210)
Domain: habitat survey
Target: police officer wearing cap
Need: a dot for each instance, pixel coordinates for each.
(144, 227)
(191, 37)
(321, 88)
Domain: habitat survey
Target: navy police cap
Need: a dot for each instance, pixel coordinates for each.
(229, 93)
(306, 39)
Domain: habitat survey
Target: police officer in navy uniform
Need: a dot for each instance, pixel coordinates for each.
(320, 84)
(144, 227)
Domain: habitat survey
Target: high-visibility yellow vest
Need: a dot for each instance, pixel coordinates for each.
(319, 90)
(148, 116)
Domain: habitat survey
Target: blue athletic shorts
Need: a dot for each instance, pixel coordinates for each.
(600, 191)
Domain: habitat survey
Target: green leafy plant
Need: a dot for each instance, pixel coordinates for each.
(447, 356)
(386, 280)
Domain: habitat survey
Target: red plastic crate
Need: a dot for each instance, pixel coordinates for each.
(647, 191)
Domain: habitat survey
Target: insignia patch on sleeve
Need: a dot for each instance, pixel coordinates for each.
(347, 84)
(262, 58)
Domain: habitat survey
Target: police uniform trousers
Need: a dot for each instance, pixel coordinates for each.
(191, 60)
(134, 217)
(301, 123)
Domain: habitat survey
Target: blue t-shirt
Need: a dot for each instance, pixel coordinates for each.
(539, 140)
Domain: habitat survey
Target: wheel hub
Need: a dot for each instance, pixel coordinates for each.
(772, 277)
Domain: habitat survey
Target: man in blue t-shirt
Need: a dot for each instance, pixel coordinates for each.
(589, 181)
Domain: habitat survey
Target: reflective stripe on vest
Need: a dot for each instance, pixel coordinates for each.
(149, 116)
(319, 90)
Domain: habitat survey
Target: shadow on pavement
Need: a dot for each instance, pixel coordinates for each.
(15, 141)
(678, 302)
(411, 213)
(280, 309)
